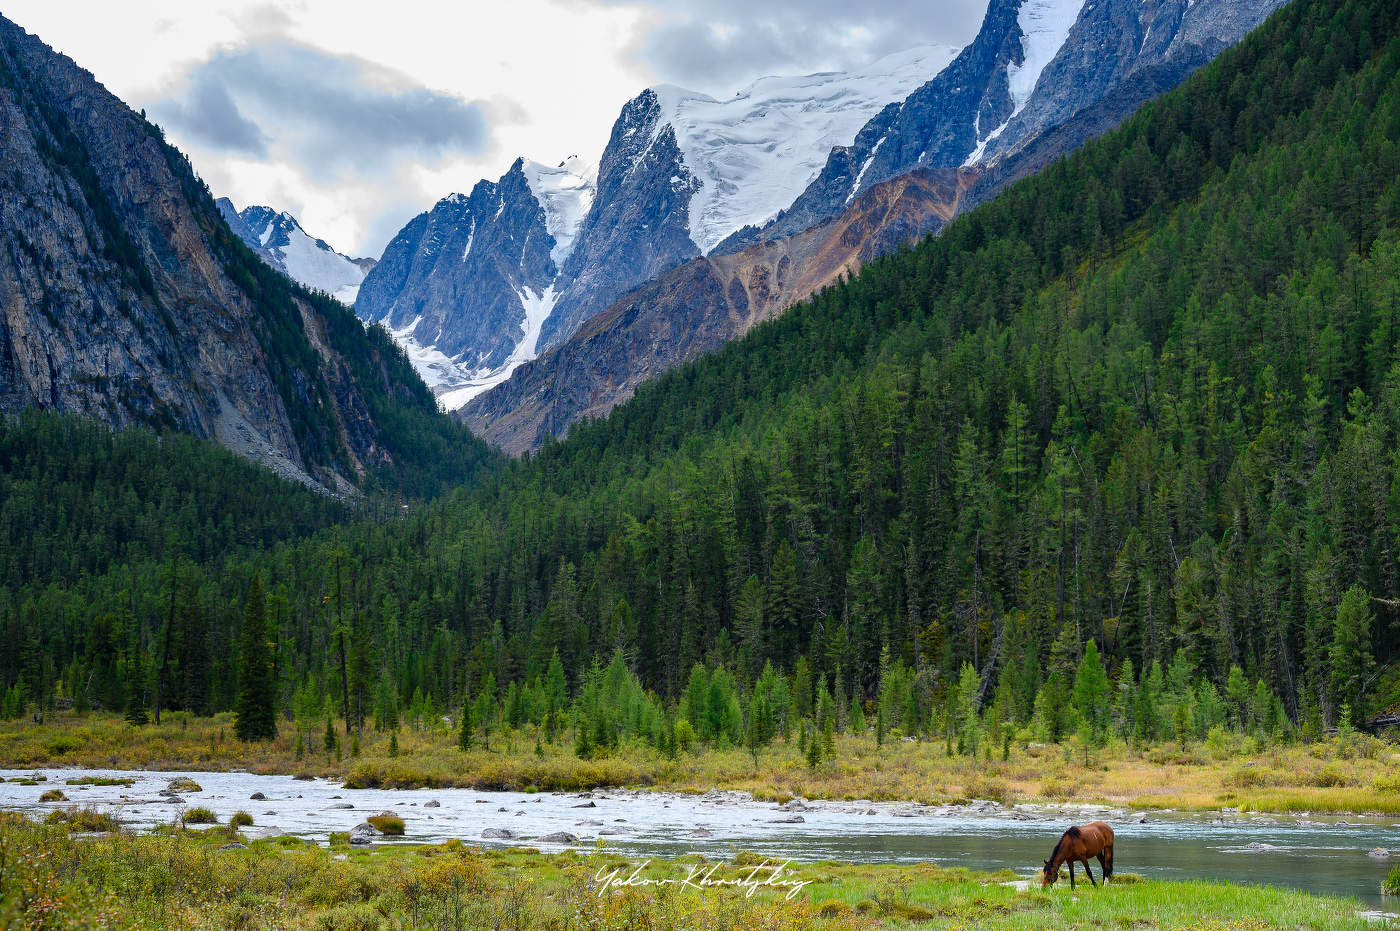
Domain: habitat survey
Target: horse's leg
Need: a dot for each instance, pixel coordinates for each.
(1088, 871)
(1071, 874)
(1103, 865)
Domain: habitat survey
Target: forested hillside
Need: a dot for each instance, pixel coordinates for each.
(1142, 406)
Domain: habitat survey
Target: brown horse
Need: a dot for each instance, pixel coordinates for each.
(1077, 845)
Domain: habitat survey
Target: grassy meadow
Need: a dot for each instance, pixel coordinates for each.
(51, 877)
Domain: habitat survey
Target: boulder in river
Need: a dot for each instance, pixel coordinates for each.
(433, 804)
(363, 833)
(558, 837)
(1379, 853)
(183, 784)
(796, 804)
(257, 797)
(787, 819)
(700, 832)
(498, 834)
(587, 805)
(341, 805)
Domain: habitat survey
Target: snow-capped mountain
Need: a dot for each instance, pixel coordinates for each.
(1040, 78)
(681, 173)
(1033, 66)
(283, 244)
(685, 175)
(466, 287)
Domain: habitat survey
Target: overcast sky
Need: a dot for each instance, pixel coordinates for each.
(356, 115)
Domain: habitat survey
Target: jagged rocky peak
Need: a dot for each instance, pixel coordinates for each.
(280, 240)
(681, 172)
(465, 286)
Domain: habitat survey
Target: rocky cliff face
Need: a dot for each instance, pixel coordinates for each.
(126, 298)
(467, 285)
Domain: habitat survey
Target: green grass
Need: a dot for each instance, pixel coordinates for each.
(53, 795)
(240, 819)
(183, 880)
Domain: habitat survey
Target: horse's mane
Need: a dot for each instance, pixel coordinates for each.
(1072, 832)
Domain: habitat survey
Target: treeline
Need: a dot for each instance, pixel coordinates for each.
(1142, 407)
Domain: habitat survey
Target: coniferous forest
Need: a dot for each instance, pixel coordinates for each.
(1115, 452)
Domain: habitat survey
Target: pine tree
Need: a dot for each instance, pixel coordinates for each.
(256, 712)
(1091, 694)
(1351, 652)
(464, 730)
(136, 690)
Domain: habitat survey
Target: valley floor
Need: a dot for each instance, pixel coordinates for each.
(191, 879)
(1354, 774)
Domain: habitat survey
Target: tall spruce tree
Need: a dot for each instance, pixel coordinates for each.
(256, 712)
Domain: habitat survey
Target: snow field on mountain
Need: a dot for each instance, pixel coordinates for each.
(565, 192)
(758, 150)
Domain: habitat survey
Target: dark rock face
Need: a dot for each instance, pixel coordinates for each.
(936, 126)
(639, 225)
(452, 277)
(125, 298)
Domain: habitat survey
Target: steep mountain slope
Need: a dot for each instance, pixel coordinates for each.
(680, 173)
(998, 77)
(125, 297)
(280, 240)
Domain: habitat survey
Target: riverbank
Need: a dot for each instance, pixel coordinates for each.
(191, 879)
(1351, 775)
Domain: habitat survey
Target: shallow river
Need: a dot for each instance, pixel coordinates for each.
(1316, 854)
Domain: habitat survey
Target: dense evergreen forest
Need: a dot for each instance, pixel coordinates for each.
(1123, 441)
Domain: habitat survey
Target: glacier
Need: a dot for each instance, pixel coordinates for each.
(755, 152)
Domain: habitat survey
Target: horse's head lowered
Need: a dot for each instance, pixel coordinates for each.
(1047, 878)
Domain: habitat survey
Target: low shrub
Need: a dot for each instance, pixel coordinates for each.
(85, 820)
(240, 819)
(387, 824)
(53, 795)
(199, 816)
